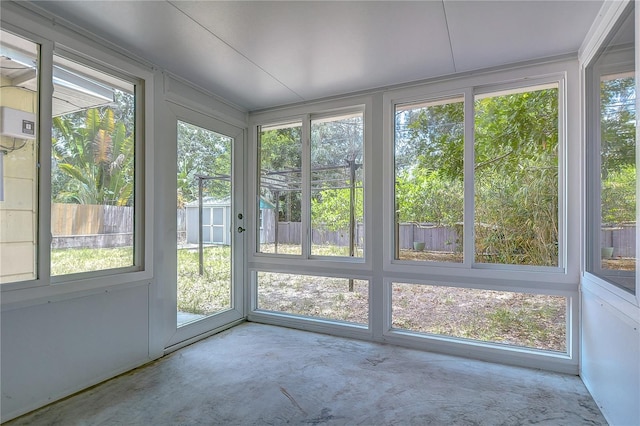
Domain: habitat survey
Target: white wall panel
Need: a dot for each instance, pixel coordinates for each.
(55, 349)
(610, 365)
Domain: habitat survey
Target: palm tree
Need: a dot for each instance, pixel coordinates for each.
(93, 158)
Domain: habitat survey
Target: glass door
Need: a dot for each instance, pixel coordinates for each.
(209, 228)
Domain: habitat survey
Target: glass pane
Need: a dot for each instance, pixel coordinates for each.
(217, 216)
(612, 199)
(92, 170)
(206, 217)
(279, 205)
(18, 158)
(338, 299)
(204, 161)
(519, 319)
(429, 190)
(337, 190)
(217, 235)
(516, 177)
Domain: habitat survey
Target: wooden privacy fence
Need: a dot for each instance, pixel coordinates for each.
(436, 238)
(621, 238)
(90, 219)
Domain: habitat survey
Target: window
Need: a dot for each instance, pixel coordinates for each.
(279, 204)
(516, 177)
(337, 299)
(507, 204)
(93, 170)
(337, 210)
(611, 159)
(19, 74)
(75, 176)
(429, 184)
(520, 319)
(311, 196)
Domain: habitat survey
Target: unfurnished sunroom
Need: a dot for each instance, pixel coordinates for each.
(452, 176)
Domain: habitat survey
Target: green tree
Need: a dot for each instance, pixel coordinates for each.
(516, 178)
(202, 152)
(336, 169)
(92, 160)
(618, 114)
(281, 170)
(429, 163)
(619, 196)
(515, 171)
(618, 150)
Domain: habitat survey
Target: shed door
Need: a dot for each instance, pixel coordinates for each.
(217, 225)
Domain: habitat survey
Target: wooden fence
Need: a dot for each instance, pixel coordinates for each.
(622, 239)
(90, 219)
(436, 238)
(75, 220)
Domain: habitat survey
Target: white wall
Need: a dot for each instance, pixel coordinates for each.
(57, 339)
(52, 350)
(610, 365)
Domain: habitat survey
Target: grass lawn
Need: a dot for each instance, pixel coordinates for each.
(71, 261)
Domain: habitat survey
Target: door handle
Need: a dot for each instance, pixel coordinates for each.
(241, 229)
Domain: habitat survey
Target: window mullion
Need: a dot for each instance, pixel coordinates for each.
(562, 177)
(305, 203)
(45, 107)
(469, 195)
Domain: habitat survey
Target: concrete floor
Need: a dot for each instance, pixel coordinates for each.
(263, 375)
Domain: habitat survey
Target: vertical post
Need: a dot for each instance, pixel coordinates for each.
(397, 235)
(276, 215)
(2, 154)
(200, 233)
(352, 214)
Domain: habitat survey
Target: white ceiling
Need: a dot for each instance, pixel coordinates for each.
(268, 53)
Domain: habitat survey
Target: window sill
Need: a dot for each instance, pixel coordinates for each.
(16, 298)
(622, 301)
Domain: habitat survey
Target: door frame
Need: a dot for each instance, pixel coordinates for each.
(188, 333)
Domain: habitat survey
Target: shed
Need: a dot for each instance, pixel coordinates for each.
(216, 221)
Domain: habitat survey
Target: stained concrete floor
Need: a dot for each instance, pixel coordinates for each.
(263, 375)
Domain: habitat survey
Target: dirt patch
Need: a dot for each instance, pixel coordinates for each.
(535, 321)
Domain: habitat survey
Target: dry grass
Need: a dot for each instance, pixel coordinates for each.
(619, 264)
(535, 321)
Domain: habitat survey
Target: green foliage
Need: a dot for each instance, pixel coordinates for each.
(336, 160)
(432, 138)
(330, 209)
(516, 178)
(618, 138)
(280, 169)
(429, 164)
(618, 150)
(426, 196)
(202, 152)
(516, 173)
(619, 196)
(92, 159)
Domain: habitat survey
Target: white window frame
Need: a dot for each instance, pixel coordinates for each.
(469, 92)
(622, 62)
(65, 43)
(305, 114)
